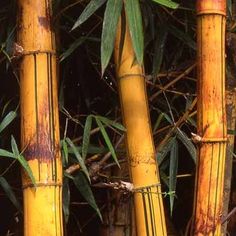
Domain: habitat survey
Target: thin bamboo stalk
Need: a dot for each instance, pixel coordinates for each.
(149, 212)
(211, 118)
(39, 119)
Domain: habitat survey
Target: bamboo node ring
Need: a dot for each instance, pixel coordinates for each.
(131, 75)
(142, 189)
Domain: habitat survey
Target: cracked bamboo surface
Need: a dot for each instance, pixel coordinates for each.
(211, 118)
(149, 213)
(39, 119)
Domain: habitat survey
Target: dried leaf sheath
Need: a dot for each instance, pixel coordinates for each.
(148, 204)
(211, 118)
(39, 119)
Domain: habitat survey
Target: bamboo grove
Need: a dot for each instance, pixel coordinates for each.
(126, 117)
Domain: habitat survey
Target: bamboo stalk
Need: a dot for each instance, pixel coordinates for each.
(211, 118)
(149, 212)
(39, 119)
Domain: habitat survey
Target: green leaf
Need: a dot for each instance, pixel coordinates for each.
(72, 48)
(167, 3)
(188, 144)
(83, 186)
(22, 160)
(88, 11)
(86, 136)
(7, 120)
(163, 151)
(159, 119)
(159, 49)
(173, 170)
(66, 198)
(5, 153)
(9, 192)
(107, 140)
(109, 122)
(133, 13)
(184, 37)
(110, 21)
(78, 157)
(64, 151)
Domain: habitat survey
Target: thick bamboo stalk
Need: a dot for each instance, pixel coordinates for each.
(39, 119)
(211, 118)
(149, 213)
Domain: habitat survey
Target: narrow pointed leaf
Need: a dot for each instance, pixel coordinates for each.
(188, 144)
(107, 140)
(78, 157)
(66, 199)
(86, 136)
(9, 192)
(133, 13)
(109, 122)
(163, 151)
(5, 153)
(173, 170)
(110, 21)
(22, 160)
(167, 3)
(7, 120)
(83, 186)
(88, 11)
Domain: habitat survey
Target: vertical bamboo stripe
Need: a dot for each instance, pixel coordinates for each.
(149, 213)
(39, 120)
(211, 118)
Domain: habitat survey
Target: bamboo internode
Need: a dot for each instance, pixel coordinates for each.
(211, 118)
(149, 213)
(39, 119)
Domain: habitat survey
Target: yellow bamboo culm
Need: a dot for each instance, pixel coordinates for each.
(39, 119)
(149, 212)
(211, 123)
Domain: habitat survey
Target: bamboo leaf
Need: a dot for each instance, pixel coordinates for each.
(133, 13)
(9, 192)
(167, 3)
(184, 37)
(109, 122)
(79, 158)
(66, 198)
(110, 21)
(188, 144)
(64, 152)
(173, 170)
(159, 49)
(5, 153)
(159, 119)
(83, 186)
(22, 160)
(162, 153)
(86, 136)
(7, 120)
(88, 11)
(107, 140)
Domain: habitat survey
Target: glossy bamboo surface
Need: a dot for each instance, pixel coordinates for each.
(149, 213)
(211, 123)
(39, 119)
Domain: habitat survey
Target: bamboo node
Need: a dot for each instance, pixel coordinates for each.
(144, 189)
(18, 51)
(198, 139)
(131, 75)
